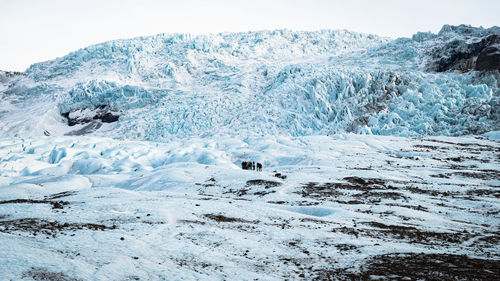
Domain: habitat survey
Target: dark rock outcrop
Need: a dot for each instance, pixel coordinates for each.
(101, 113)
(489, 58)
(6, 75)
(460, 55)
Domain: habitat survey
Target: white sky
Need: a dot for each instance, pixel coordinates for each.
(38, 30)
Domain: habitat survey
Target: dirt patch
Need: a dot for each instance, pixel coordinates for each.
(480, 174)
(364, 168)
(254, 187)
(55, 204)
(222, 218)
(263, 193)
(484, 192)
(280, 176)
(429, 147)
(364, 183)
(413, 207)
(464, 158)
(423, 191)
(153, 222)
(441, 176)
(336, 189)
(409, 234)
(209, 183)
(350, 202)
(456, 159)
(317, 190)
(469, 147)
(60, 195)
(417, 267)
(43, 274)
(249, 191)
(432, 267)
(489, 240)
(277, 202)
(197, 265)
(265, 183)
(418, 190)
(377, 195)
(415, 235)
(314, 220)
(192, 222)
(44, 227)
(346, 247)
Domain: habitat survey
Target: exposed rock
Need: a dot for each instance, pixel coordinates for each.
(101, 113)
(460, 55)
(6, 75)
(489, 58)
(108, 117)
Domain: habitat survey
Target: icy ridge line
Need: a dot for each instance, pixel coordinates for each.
(259, 83)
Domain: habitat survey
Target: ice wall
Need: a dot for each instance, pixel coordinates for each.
(260, 83)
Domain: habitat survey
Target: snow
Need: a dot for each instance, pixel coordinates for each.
(364, 153)
(165, 200)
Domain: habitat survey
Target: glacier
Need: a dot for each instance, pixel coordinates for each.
(381, 159)
(259, 83)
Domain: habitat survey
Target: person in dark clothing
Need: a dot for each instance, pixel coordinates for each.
(247, 165)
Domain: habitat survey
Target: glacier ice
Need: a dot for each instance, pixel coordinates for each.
(259, 83)
(210, 102)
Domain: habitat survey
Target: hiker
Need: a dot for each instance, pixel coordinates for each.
(247, 165)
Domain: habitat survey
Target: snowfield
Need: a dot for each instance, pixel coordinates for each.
(381, 159)
(83, 208)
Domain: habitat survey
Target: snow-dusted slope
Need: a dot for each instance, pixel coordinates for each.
(258, 83)
(324, 208)
(328, 205)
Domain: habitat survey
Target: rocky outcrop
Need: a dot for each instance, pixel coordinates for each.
(461, 55)
(6, 75)
(101, 113)
(489, 58)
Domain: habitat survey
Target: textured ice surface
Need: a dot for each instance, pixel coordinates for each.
(100, 208)
(258, 83)
(184, 210)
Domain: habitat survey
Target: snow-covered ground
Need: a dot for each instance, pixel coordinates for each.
(87, 208)
(122, 160)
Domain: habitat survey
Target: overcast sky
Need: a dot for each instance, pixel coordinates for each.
(38, 30)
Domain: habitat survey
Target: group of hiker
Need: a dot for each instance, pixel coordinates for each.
(247, 165)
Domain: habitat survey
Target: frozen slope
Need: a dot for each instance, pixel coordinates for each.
(257, 83)
(121, 161)
(341, 208)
